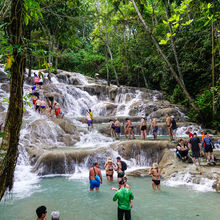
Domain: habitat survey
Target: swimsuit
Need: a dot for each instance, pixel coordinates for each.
(117, 129)
(109, 175)
(34, 101)
(57, 111)
(120, 175)
(155, 129)
(144, 127)
(89, 122)
(94, 184)
(157, 182)
(43, 106)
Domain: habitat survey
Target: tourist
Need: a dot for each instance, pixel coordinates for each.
(109, 169)
(38, 105)
(41, 213)
(55, 215)
(155, 127)
(143, 128)
(120, 167)
(40, 76)
(42, 107)
(112, 127)
(125, 125)
(124, 197)
(203, 145)
(125, 184)
(182, 150)
(117, 129)
(89, 121)
(36, 79)
(95, 177)
(34, 99)
(155, 172)
(207, 140)
(174, 127)
(195, 145)
(91, 116)
(57, 109)
(130, 129)
(169, 126)
(50, 104)
(189, 132)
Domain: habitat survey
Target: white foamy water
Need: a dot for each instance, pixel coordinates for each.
(187, 179)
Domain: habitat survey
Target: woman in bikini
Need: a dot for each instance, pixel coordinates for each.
(130, 129)
(109, 170)
(143, 128)
(155, 172)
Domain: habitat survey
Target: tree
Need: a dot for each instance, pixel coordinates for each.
(15, 109)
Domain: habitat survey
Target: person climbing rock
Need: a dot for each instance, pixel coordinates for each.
(112, 127)
(40, 77)
(41, 213)
(89, 122)
(95, 177)
(195, 146)
(36, 79)
(124, 197)
(120, 167)
(174, 127)
(42, 107)
(117, 129)
(154, 127)
(91, 116)
(143, 128)
(169, 126)
(155, 172)
(38, 105)
(130, 129)
(57, 109)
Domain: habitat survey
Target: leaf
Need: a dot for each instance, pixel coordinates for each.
(168, 35)
(163, 42)
(10, 61)
(209, 5)
(206, 23)
(176, 25)
(26, 20)
(29, 104)
(164, 22)
(23, 109)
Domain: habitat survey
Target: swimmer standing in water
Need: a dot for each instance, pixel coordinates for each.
(109, 169)
(155, 172)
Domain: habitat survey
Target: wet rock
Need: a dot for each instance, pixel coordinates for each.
(6, 87)
(139, 172)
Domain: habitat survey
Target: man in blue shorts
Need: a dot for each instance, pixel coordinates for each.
(195, 146)
(95, 177)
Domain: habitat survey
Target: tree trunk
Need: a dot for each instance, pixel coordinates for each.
(167, 62)
(57, 55)
(213, 72)
(145, 80)
(107, 70)
(15, 110)
(173, 45)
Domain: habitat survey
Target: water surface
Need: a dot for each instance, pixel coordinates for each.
(72, 198)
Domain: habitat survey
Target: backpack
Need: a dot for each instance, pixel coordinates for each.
(123, 166)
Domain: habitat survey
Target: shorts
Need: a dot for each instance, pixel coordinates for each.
(184, 153)
(196, 154)
(40, 83)
(89, 122)
(117, 129)
(57, 111)
(120, 175)
(155, 129)
(208, 148)
(174, 130)
(109, 175)
(157, 182)
(37, 108)
(34, 101)
(143, 128)
(43, 107)
(94, 184)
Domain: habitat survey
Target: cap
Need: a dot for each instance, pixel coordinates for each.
(55, 215)
(155, 165)
(172, 116)
(118, 158)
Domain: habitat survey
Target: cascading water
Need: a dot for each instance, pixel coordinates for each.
(76, 93)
